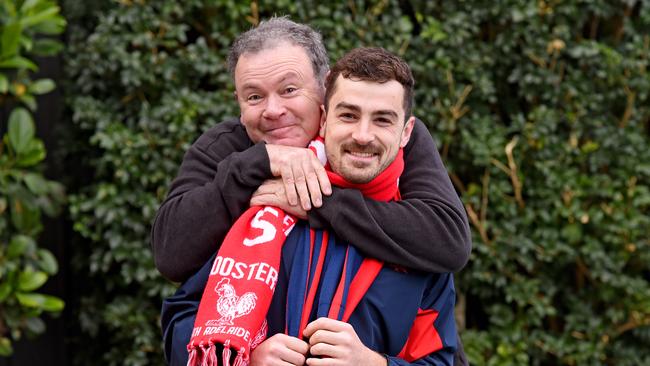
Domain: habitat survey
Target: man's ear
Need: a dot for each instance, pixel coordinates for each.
(406, 132)
(235, 95)
(323, 119)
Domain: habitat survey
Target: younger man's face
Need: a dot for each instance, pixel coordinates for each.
(364, 128)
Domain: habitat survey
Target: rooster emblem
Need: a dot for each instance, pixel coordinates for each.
(231, 306)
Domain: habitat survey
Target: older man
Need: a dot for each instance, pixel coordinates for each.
(403, 317)
(279, 68)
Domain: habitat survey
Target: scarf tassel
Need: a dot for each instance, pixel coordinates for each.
(193, 358)
(225, 355)
(241, 359)
(211, 355)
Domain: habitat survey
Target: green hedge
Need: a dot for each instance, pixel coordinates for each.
(540, 109)
(26, 32)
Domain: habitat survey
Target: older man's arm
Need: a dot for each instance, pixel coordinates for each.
(427, 230)
(212, 189)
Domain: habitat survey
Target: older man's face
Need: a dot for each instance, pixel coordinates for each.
(278, 95)
(364, 128)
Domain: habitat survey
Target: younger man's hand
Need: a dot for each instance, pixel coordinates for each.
(280, 349)
(337, 343)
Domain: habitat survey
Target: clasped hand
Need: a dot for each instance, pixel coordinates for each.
(331, 342)
(300, 184)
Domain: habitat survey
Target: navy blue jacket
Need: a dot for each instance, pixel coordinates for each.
(409, 313)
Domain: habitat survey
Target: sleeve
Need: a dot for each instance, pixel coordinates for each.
(216, 179)
(433, 336)
(427, 230)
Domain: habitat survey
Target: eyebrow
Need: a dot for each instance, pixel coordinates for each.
(344, 105)
(289, 76)
(386, 112)
(356, 108)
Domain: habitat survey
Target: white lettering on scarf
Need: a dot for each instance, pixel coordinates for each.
(260, 271)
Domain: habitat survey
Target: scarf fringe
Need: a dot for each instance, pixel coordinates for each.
(211, 355)
(241, 359)
(193, 358)
(225, 355)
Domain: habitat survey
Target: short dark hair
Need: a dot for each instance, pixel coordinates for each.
(270, 33)
(372, 64)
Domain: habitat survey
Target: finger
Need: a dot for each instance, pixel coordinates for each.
(325, 324)
(328, 337)
(293, 358)
(267, 187)
(301, 187)
(263, 200)
(323, 180)
(313, 184)
(295, 344)
(289, 185)
(327, 350)
(313, 361)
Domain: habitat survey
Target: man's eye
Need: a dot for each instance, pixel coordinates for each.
(254, 97)
(347, 116)
(290, 90)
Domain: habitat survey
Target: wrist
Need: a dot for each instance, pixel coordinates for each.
(377, 359)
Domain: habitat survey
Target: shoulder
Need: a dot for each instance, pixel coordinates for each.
(229, 134)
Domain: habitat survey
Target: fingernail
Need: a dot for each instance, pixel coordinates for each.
(317, 202)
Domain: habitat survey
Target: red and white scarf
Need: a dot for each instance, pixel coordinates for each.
(244, 274)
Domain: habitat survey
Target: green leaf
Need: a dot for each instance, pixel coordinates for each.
(29, 101)
(18, 62)
(47, 47)
(42, 86)
(31, 280)
(47, 15)
(5, 347)
(26, 219)
(572, 232)
(51, 27)
(21, 130)
(28, 4)
(19, 245)
(35, 154)
(4, 84)
(10, 39)
(47, 262)
(40, 301)
(36, 183)
(5, 290)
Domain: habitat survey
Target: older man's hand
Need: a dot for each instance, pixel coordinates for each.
(280, 349)
(272, 193)
(303, 175)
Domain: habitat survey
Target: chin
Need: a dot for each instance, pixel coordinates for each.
(358, 178)
(290, 141)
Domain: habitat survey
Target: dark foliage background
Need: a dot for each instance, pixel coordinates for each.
(540, 109)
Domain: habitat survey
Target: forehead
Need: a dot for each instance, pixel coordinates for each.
(369, 96)
(276, 64)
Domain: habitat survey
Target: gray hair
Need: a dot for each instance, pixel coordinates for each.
(273, 31)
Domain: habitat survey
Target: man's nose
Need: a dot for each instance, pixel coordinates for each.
(362, 133)
(274, 107)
